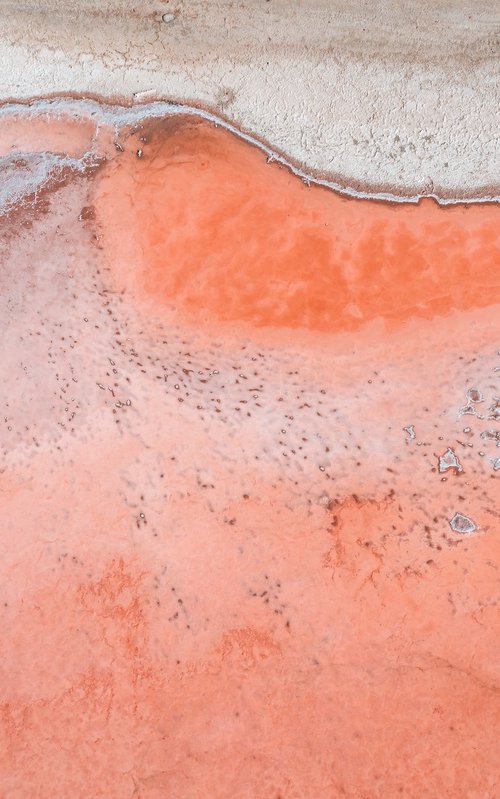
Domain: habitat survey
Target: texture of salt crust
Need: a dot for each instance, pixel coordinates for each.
(24, 174)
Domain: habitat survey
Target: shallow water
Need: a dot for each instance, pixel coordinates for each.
(231, 559)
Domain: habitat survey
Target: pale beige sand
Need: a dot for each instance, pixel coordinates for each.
(386, 95)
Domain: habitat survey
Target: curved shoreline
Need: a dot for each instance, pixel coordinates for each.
(119, 114)
(392, 99)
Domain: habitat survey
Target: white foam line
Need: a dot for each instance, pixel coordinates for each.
(124, 115)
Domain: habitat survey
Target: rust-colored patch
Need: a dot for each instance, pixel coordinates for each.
(211, 228)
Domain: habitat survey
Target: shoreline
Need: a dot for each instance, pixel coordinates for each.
(382, 100)
(118, 114)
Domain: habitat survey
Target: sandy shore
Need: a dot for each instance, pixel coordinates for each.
(385, 99)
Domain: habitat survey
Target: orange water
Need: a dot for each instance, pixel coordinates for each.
(227, 569)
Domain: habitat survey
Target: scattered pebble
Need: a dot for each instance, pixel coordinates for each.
(462, 524)
(473, 395)
(449, 461)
